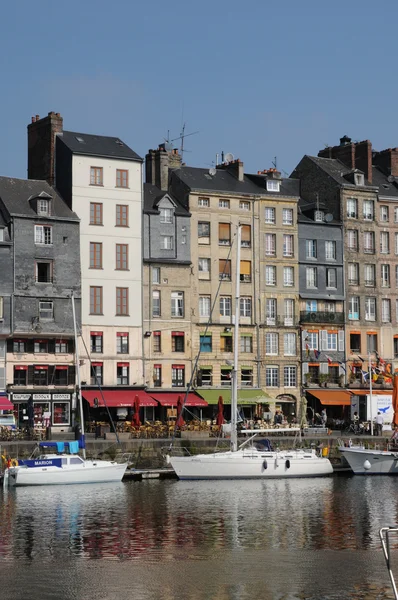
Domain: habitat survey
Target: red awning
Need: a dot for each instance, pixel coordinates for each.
(170, 399)
(118, 398)
(5, 404)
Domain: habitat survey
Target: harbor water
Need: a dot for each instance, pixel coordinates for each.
(155, 540)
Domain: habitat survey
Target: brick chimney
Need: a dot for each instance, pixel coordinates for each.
(158, 163)
(356, 155)
(41, 146)
(235, 167)
(387, 161)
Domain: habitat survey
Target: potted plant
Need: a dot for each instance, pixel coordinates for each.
(323, 379)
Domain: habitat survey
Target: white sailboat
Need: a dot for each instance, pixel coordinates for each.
(59, 463)
(251, 460)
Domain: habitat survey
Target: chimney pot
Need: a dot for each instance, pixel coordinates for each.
(37, 117)
(33, 120)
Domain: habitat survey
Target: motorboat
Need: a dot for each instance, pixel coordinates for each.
(58, 463)
(366, 461)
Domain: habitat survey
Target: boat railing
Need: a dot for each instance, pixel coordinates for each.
(385, 533)
(175, 451)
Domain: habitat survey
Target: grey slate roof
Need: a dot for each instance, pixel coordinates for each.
(289, 187)
(335, 168)
(153, 195)
(16, 193)
(386, 188)
(98, 145)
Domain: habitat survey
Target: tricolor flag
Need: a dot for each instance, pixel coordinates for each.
(316, 354)
(330, 360)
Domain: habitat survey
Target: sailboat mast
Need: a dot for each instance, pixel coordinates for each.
(370, 393)
(78, 390)
(234, 391)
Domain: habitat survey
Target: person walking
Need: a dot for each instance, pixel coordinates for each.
(324, 417)
(379, 423)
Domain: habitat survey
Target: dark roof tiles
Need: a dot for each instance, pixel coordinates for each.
(98, 145)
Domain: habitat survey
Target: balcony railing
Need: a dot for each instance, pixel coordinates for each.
(322, 317)
(281, 321)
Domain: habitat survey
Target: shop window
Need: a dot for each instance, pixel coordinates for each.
(61, 413)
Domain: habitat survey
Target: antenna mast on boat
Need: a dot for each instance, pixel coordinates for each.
(234, 391)
(78, 390)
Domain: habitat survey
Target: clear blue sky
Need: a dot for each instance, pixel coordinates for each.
(255, 78)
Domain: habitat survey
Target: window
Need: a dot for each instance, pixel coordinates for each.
(226, 342)
(245, 306)
(270, 244)
(288, 276)
(330, 306)
(204, 232)
(288, 311)
(46, 311)
(246, 239)
(203, 202)
(355, 342)
(270, 215)
(122, 301)
(96, 213)
(205, 343)
(243, 205)
(225, 376)
(122, 253)
(40, 346)
(384, 242)
(270, 275)
(1, 234)
(223, 204)
(224, 234)
(271, 343)
(246, 343)
(330, 250)
(290, 376)
(319, 216)
(156, 303)
(19, 346)
(331, 341)
(157, 376)
(224, 267)
(272, 185)
(396, 243)
(311, 306)
(157, 341)
(272, 376)
(122, 215)
(95, 255)
(177, 376)
(384, 214)
(166, 215)
(122, 374)
(204, 306)
(43, 235)
(167, 242)
(245, 271)
(385, 275)
(177, 341)
(289, 344)
(352, 240)
(370, 275)
(205, 376)
(122, 343)
(288, 245)
(155, 275)
(371, 339)
(20, 375)
(246, 377)
(359, 179)
(43, 207)
(225, 306)
(353, 308)
(395, 350)
(61, 346)
(204, 265)
(311, 340)
(40, 375)
(44, 271)
(122, 178)
(311, 277)
(368, 210)
(96, 342)
(96, 373)
(386, 310)
(369, 242)
(61, 375)
(287, 216)
(311, 248)
(396, 214)
(270, 311)
(96, 176)
(177, 304)
(370, 309)
(353, 273)
(331, 278)
(352, 208)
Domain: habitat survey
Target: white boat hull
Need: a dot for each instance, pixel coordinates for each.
(248, 464)
(371, 462)
(89, 472)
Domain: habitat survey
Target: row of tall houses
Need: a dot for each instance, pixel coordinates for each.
(152, 269)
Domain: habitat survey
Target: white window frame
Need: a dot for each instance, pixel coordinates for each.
(43, 235)
(269, 215)
(352, 240)
(370, 308)
(43, 207)
(369, 273)
(287, 216)
(245, 306)
(290, 376)
(368, 209)
(330, 250)
(166, 215)
(156, 275)
(156, 311)
(270, 311)
(271, 344)
(385, 275)
(273, 186)
(222, 203)
(270, 244)
(331, 278)
(311, 277)
(244, 205)
(352, 208)
(288, 245)
(167, 242)
(384, 242)
(177, 305)
(353, 273)
(312, 340)
(386, 310)
(270, 275)
(311, 248)
(289, 344)
(288, 307)
(46, 310)
(369, 242)
(204, 306)
(203, 202)
(384, 214)
(331, 341)
(353, 308)
(288, 276)
(204, 265)
(225, 306)
(271, 376)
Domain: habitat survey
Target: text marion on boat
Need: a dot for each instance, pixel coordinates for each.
(60, 462)
(249, 461)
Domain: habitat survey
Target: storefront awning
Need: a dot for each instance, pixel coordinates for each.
(249, 396)
(170, 399)
(367, 392)
(5, 404)
(332, 397)
(118, 398)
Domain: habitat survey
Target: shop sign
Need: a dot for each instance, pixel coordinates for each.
(20, 396)
(41, 396)
(61, 396)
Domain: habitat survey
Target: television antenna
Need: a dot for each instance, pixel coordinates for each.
(181, 137)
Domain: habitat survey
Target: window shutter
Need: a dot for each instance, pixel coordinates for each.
(71, 375)
(341, 340)
(51, 346)
(246, 234)
(51, 375)
(341, 370)
(10, 345)
(324, 368)
(224, 231)
(304, 334)
(323, 340)
(305, 368)
(30, 374)
(2, 378)
(245, 267)
(30, 346)
(71, 346)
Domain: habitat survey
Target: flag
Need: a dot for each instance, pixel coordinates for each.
(308, 350)
(342, 366)
(316, 354)
(330, 360)
(361, 359)
(365, 375)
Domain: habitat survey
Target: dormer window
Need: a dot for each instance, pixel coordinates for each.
(166, 215)
(43, 207)
(319, 216)
(359, 179)
(272, 185)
